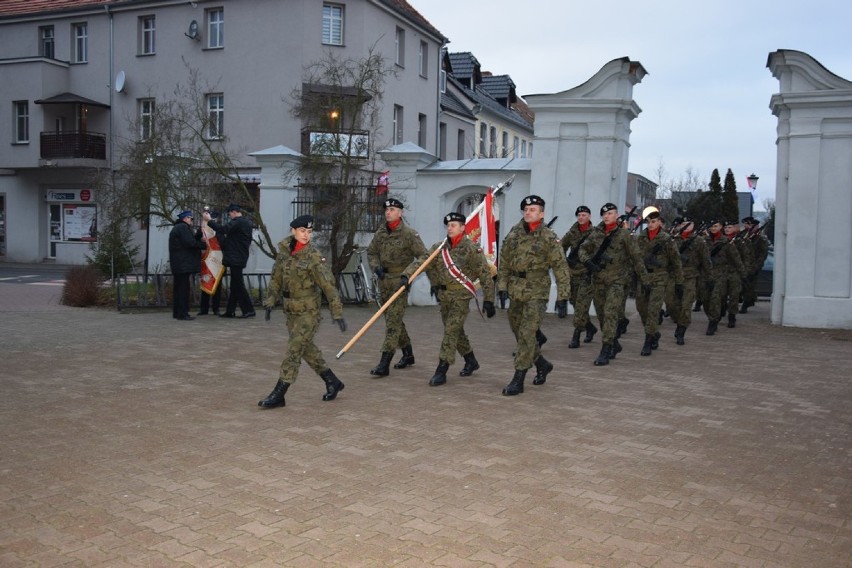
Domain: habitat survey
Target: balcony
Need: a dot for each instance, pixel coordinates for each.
(355, 143)
(73, 144)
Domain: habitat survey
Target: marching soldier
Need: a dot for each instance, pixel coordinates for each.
(759, 245)
(461, 263)
(722, 255)
(696, 271)
(581, 280)
(301, 276)
(606, 254)
(662, 263)
(736, 275)
(394, 246)
(530, 251)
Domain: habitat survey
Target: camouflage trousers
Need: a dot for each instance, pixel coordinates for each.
(681, 310)
(713, 299)
(733, 285)
(581, 297)
(453, 314)
(301, 329)
(524, 320)
(750, 290)
(609, 304)
(649, 304)
(396, 336)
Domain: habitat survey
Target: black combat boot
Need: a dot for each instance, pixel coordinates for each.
(680, 332)
(575, 339)
(712, 326)
(615, 349)
(603, 357)
(646, 347)
(383, 368)
(655, 340)
(744, 308)
(542, 368)
(440, 376)
(470, 365)
(333, 385)
(591, 330)
(622, 327)
(516, 385)
(540, 338)
(407, 358)
(276, 397)
(732, 320)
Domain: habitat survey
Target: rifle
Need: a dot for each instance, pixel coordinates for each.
(600, 254)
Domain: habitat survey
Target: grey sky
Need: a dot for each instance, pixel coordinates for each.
(705, 101)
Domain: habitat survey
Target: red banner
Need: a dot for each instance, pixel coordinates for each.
(480, 227)
(211, 262)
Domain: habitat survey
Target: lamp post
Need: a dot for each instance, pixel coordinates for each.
(752, 185)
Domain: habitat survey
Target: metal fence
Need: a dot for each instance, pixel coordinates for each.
(356, 204)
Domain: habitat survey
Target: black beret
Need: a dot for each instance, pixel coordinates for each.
(302, 222)
(711, 222)
(233, 207)
(393, 203)
(582, 209)
(732, 223)
(532, 200)
(751, 220)
(608, 207)
(454, 217)
(653, 215)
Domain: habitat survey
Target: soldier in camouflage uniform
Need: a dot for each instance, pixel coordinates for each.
(723, 254)
(393, 248)
(606, 254)
(301, 276)
(452, 274)
(759, 248)
(581, 280)
(736, 278)
(696, 270)
(530, 251)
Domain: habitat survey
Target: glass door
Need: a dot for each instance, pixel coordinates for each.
(55, 228)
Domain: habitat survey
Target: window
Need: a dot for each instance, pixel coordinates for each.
(81, 43)
(22, 122)
(523, 148)
(530, 150)
(442, 141)
(399, 44)
(424, 59)
(332, 24)
(421, 130)
(397, 124)
(515, 143)
(483, 140)
(216, 115)
(146, 118)
(443, 81)
(46, 39)
(460, 145)
(504, 151)
(215, 28)
(492, 145)
(147, 29)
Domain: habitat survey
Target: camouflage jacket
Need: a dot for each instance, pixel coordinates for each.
(694, 256)
(573, 240)
(746, 252)
(723, 255)
(759, 250)
(526, 259)
(616, 262)
(301, 279)
(660, 256)
(468, 258)
(394, 250)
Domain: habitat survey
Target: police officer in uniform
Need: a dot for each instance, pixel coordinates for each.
(394, 246)
(530, 251)
(581, 280)
(452, 276)
(300, 276)
(185, 260)
(696, 270)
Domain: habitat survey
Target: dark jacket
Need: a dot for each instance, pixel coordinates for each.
(184, 249)
(237, 241)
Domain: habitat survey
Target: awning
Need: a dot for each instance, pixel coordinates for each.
(69, 98)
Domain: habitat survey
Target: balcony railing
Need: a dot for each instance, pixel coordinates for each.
(73, 144)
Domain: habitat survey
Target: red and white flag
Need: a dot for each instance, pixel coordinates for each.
(383, 184)
(480, 227)
(212, 268)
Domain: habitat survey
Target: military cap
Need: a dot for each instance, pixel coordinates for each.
(608, 207)
(750, 220)
(233, 207)
(582, 209)
(711, 222)
(729, 222)
(454, 217)
(303, 222)
(391, 202)
(184, 214)
(653, 215)
(678, 220)
(532, 200)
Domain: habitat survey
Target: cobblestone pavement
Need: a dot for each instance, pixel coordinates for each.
(135, 440)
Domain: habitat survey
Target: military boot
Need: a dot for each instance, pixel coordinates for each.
(680, 332)
(622, 327)
(383, 368)
(712, 326)
(744, 308)
(646, 347)
(516, 385)
(655, 340)
(542, 368)
(470, 365)
(407, 358)
(603, 357)
(575, 339)
(333, 385)
(440, 376)
(615, 349)
(540, 338)
(591, 330)
(732, 320)
(276, 397)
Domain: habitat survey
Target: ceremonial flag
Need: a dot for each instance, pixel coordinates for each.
(212, 268)
(383, 185)
(480, 227)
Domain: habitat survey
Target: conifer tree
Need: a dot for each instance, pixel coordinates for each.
(730, 202)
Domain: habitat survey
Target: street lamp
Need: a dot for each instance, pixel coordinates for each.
(752, 182)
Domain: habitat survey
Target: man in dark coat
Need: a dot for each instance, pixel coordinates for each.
(235, 254)
(185, 259)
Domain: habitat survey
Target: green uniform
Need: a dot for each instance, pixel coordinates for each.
(759, 249)
(454, 298)
(526, 259)
(301, 279)
(723, 255)
(695, 260)
(609, 282)
(662, 262)
(581, 281)
(393, 250)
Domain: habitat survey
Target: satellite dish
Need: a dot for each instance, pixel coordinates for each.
(192, 32)
(119, 82)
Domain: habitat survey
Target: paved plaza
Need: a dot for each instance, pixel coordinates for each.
(135, 440)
